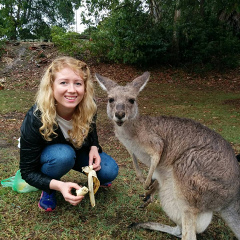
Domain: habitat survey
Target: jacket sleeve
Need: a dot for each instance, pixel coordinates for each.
(93, 134)
(31, 146)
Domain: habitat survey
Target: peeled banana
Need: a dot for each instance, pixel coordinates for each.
(82, 191)
(93, 183)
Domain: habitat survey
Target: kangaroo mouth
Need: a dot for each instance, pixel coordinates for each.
(119, 123)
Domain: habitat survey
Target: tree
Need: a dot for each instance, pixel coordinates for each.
(33, 18)
(137, 31)
(128, 35)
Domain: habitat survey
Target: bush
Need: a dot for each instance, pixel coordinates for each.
(67, 42)
(129, 36)
(209, 43)
(2, 47)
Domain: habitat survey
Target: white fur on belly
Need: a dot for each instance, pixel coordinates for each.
(172, 202)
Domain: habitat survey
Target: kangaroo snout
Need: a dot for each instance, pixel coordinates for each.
(119, 117)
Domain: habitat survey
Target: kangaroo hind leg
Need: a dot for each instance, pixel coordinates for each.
(175, 231)
(189, 223)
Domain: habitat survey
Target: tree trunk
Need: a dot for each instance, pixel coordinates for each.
(175, 43)
(155, 10)
(202, 10)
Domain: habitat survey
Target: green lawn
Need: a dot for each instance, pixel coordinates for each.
(116, 207)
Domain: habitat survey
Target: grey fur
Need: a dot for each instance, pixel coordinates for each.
(196, 169)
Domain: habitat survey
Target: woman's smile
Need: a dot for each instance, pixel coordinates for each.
(68, 91)
(71, 98)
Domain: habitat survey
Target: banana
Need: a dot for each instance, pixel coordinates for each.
(82, 191)
(93, 183)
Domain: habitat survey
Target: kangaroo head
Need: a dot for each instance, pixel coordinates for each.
(122, 105)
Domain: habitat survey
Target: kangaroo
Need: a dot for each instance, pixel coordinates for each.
(194, 169)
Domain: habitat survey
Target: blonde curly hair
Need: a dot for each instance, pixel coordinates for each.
(84, 112)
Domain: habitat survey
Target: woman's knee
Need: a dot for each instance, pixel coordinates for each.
(58, 155)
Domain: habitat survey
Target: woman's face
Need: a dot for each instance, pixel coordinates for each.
(68, 91)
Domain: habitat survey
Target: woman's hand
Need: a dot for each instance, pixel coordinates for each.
(65, 188)
(94, 158)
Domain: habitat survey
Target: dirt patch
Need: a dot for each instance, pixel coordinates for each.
(10, 124)
(4, 143)
(13, 116)
(22, 66)
(233, 102)
(11, 121)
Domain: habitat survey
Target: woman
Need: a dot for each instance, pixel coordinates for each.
(59, 133)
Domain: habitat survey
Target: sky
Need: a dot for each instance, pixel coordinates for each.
(78, 27)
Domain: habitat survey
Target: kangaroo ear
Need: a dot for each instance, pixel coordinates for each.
(105, 83)
(140, 82)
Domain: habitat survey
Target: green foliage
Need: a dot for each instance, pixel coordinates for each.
(67, 42)
(2, 40)
(2, 44)
(209, 43)
(24, 19)
(129, 36)
(205, 33)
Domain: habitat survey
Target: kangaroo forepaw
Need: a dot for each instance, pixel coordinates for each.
(147, 199)
(147, 185)
(152, 187)
(149, 195)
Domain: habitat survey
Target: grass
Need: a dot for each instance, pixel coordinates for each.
(18, 100)
(116, 207)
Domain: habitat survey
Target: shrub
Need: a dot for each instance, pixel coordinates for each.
(209, 43)
(67, 42)
(2, 47)
(129, 36)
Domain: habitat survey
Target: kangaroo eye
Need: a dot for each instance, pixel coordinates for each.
(110, 100)
(131, 100)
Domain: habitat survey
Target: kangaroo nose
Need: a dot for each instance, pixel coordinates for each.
(120, 111)
(120, 115)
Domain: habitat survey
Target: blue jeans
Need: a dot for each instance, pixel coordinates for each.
(59, 159)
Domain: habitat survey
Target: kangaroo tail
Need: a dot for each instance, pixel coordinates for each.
(231, 215)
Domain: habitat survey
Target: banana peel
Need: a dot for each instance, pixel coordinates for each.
(93, 183)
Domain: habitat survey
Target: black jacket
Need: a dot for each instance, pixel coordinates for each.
(32, 143)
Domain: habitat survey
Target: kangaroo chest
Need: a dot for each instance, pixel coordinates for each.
(134, 146)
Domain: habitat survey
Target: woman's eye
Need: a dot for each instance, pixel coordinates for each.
(63, 83)
(79, 84)
(110, 100)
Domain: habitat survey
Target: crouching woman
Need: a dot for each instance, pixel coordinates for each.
(59, 133)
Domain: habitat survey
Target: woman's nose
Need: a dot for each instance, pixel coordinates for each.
(71, 88)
